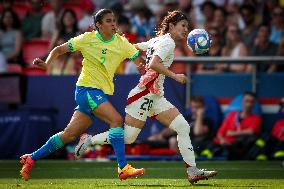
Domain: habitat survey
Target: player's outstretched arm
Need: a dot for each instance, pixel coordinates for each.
(156, 64)
(57, 51)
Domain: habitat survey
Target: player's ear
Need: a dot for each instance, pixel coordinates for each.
(97, 25)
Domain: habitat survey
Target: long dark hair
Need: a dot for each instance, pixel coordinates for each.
(16, 20)
(98, 17)
(173, 17)
(62, 27)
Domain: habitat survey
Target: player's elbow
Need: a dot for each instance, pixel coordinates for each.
(153, 65)
(59, 50)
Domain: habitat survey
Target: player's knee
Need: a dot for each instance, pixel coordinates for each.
(180, 125)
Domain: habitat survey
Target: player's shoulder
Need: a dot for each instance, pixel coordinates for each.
(120, 38)
(166, 40)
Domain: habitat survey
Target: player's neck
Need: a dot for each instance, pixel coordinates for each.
(105, 36)
(174, 38)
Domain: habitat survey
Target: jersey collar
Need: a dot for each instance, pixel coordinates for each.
(102, 39)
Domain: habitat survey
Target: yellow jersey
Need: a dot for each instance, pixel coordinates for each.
(101, 58)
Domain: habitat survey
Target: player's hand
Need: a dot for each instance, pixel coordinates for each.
(181, 78)
(40, 63)
(141, 68)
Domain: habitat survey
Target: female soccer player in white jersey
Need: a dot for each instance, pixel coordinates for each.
(103, 51)
(147, 98)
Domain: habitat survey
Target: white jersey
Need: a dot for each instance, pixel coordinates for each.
(162, 46)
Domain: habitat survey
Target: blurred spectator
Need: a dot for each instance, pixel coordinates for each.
(215, 50)
(232, 8)
(235, 48)
(3, 63)
(67, 29)
(143, 23)
(32, 21)
(250, 30)
(263, 47)
(280, 52)
(125, 28)
(50, 20)
(85, 24)
(273, 146)
(170, 5)
(198, 16)
(277, 25)
(11, 37)
(201, 126)
(7, 4)
(208, 9)
(167, 137)
(220, 22)
(239, 130)
(268, 7)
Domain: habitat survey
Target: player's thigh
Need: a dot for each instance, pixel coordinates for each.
(138, 111)
(107, 113)
(77, 125)
(133, 122)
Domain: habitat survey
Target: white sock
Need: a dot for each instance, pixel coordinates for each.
(130, 135)
(180, 125)
(101, 138)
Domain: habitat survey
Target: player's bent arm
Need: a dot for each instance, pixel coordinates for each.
(57, 51)
(156, 64)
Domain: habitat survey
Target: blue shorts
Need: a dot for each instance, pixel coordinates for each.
(88, 99)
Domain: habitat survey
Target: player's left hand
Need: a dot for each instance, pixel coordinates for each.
(40, 63)
(181, 78)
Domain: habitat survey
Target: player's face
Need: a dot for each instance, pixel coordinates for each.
(108, 25)
(180, 30)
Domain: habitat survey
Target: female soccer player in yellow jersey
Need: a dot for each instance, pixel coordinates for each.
(103, 51)
(147, 98)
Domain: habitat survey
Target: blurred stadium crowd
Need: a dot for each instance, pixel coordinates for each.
(239, 134)
(31, 28)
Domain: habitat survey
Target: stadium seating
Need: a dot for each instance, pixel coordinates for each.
(15, 68)
(21, 9)
(33, 49)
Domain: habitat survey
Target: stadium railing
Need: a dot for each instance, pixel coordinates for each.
(253, 60)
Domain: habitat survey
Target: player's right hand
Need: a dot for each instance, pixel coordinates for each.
(181, 78)
(40, 63)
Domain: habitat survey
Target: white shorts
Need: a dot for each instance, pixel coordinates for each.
(148, 105)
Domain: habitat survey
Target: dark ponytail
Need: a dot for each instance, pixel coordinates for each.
(173, 17)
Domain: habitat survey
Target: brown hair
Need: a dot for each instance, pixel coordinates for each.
(198, 99)
(173, 17)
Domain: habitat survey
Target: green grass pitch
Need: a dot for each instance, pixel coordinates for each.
(74, 175)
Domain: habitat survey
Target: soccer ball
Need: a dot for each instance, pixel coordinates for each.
(199, 41)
